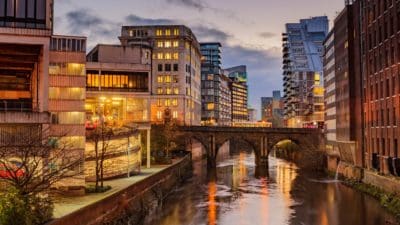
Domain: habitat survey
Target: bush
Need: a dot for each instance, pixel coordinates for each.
(16, 209)
(92, 189)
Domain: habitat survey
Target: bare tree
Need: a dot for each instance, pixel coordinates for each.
(32, 161)
(100, 137)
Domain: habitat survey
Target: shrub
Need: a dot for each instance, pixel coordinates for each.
(16, 209)
(92, 189)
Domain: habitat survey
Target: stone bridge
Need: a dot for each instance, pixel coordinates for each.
(262, 140)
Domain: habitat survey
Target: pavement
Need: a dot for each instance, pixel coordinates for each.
(66, 205)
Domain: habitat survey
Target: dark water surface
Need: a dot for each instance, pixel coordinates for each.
(238, 193)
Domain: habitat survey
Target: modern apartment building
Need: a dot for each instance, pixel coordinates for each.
(118, 89)
(215, 91)
(175, 70)
(381, 84)
(239, 90)
(302, 72)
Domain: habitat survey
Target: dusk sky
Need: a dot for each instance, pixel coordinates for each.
(249, 30)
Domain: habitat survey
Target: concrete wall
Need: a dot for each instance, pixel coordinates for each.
(133, 204)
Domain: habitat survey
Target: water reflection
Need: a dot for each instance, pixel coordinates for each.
(238, 192)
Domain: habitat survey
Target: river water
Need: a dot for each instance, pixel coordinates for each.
(238, 193)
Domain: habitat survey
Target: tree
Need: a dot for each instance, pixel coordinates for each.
(32, 161)
(100, 137)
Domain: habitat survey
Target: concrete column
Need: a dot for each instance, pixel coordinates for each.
(148, 149)
(263, 160)
(385, 165)
(211, 155)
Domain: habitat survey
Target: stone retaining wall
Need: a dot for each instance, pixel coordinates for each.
(133, 204)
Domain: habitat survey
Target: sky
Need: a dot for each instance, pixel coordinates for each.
(249, 30)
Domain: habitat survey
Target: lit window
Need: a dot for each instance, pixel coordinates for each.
(168, 91)
(175, 44)
(210, 106)
(159, 32)
(176, 31)
(131, 33)
(159, 91)
(67, 93)
(159, 115)
(159, 44)
(176, 91)
(167, 55)
(175, 114)
(167, 102)
(175, 55)
(160, 55)
(168, 79)
(175, 102)
(159, 104)
(167, 32)
(167, 44)
(160, 79)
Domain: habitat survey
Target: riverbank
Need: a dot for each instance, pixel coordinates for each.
(130, 200)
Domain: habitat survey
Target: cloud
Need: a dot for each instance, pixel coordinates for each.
(133, 19)
(194, 4)
(209, 34)
(267, 35)
(98, 30)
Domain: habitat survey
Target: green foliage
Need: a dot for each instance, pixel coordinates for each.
(391, 201)
(92, 189)
(16, 209)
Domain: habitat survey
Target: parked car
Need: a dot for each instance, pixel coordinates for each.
(15, 170)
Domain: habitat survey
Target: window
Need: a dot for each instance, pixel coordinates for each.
(167, 44)
(159, 115)
(159, 44)
(159, 91)
(167, 67)
(176, 67)
(210, 106)
(175, 44)
(175, 102)
(167, 79)
(160, 67)
(159, 104)
(176, 91)
(167, 102)
(117, 81)
(70, 117)
(168, 91)
(23, 13)
(168, 56)
(176, 31)
(167, 32)
(159, 32)
(160, 55)
(160, 79)
(67, 93)
(175, 114)
(175, 56)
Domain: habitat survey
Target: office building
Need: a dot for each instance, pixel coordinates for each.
(239, 91)
(272, 109)
(175, 73)
(302, 72)
(215, 92)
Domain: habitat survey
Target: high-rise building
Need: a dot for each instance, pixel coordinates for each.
(302, 75)
(176, 68)
(239, 90)
(381, 87)
(330, 92)
(215, 92)
(266, 109)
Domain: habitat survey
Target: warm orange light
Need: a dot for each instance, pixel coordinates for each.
(212, 206)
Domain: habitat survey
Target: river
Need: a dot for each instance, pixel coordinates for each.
(238, 193)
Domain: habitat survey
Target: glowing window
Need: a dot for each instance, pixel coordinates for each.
(176, 31)
(168, 91)
(175, 55)
(159, 44)
(160, 79)
(167, 102)
(159, 32)
(175, 114)
(160, 55)
(176, 91)
(159, 91)
(167, 44)
(167, 32)
(159, 115)
(175, 102)
(168, 79)
(167, 55)
(175, 44)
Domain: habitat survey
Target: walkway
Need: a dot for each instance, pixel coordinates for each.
(66, 205)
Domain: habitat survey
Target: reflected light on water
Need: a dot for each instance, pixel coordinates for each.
(212, 206)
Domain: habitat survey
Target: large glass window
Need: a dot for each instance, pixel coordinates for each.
(66, 93)
(23, 13)
(72, 69)
(68, 118)
(117, 81)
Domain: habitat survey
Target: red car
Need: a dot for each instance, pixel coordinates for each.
(15, 171)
